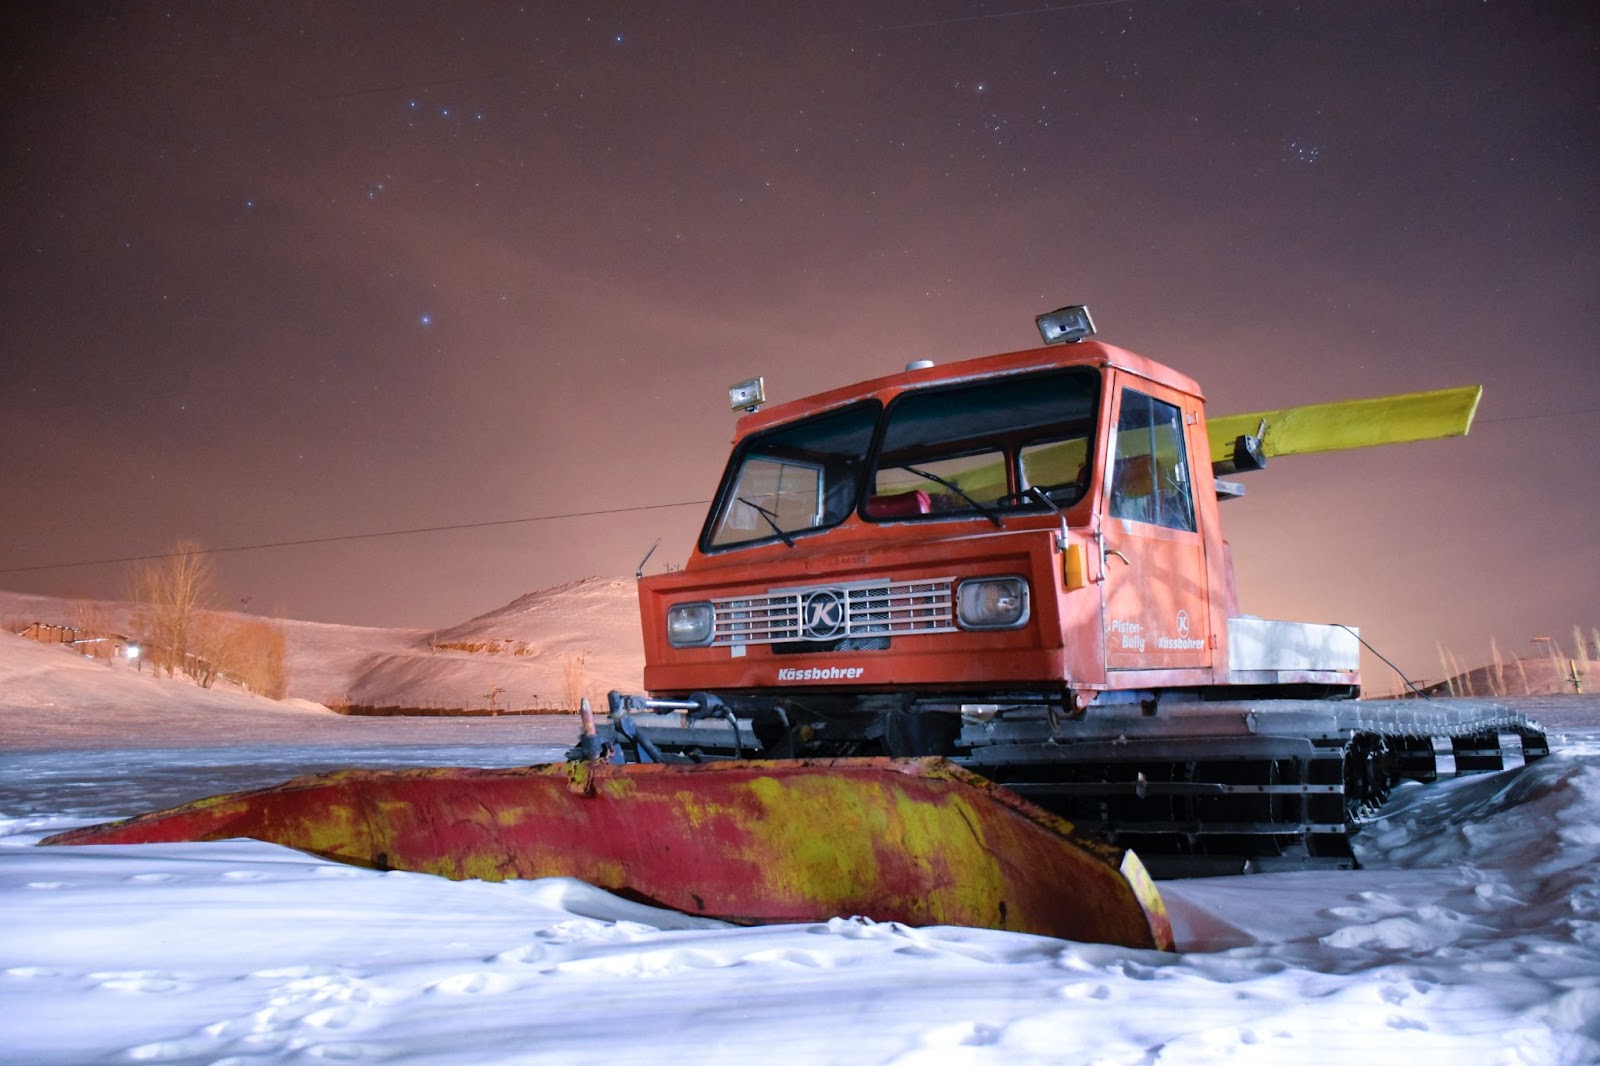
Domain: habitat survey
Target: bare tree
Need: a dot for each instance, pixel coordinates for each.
(171, 594)
(89, 621)
(246, 651)
(574, 680)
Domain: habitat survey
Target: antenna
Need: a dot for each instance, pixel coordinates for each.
(639, 573)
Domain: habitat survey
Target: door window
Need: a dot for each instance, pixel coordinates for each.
(1150, 479)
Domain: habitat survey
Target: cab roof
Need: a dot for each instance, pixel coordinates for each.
(1057, 356)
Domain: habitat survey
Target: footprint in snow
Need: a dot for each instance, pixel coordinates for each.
(575, 929)
(867, 929)
(920, 951)
(280, 972)
(342, 1052)
(1139, 971)
(341, 872)
(45, 884)
(171, 1050)
(643, 964)
(525, 953)
(296, 997)
(330, 1017)
(1085, 990)
(153, 878)
(145, 981)
(472, 984)
(310, 986)
(788, 956)
(963, 1034)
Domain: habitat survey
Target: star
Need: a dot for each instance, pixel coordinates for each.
(1304, 153)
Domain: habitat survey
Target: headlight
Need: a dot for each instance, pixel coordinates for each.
(689, 624)
(992, 603)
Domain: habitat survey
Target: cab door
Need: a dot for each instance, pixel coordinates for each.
(1154, 566)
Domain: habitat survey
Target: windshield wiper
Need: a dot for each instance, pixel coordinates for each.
(992, 516)
(772, 519)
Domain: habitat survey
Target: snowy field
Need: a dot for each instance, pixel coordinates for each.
(1472, 936)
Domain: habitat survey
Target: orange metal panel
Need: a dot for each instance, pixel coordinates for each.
(1032, 655)
(1157, 588)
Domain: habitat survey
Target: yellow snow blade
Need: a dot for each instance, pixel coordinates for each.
(1332, 427)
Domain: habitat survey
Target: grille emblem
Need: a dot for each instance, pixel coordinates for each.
(862, 610)
(824, 614)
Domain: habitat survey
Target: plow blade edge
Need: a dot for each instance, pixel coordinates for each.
(918, 841)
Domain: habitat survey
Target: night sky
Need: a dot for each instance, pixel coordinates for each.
(281, 271)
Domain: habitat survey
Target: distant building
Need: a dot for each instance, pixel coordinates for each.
(93, 645)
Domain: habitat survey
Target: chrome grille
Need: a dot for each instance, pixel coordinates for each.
(833, 612)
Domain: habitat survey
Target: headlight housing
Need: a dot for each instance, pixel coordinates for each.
(992, 603)
(689, 625)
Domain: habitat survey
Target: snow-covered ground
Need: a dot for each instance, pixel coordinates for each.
(1472, 935)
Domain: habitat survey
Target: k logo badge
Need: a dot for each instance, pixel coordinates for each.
(822, 614)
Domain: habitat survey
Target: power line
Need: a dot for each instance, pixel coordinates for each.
(521, 521)
(356, 536)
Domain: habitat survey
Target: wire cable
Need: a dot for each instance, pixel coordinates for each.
(354, 536)
(1420, 694)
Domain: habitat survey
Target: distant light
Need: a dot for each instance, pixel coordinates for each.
(131, 651)
(426, 320)
(1066, 325)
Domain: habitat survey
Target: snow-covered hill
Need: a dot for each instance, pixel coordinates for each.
(53, 698)
(519, 656)
(521, 653)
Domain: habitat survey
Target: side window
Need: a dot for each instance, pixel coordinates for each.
(1150, 479)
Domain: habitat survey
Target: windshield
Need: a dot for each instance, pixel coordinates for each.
(987, 448)
(982, 449)
(794, 479)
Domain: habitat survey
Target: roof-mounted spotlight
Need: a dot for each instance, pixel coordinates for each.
(1066, 325)
(748, 395)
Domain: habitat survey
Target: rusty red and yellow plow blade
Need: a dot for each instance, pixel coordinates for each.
(919, 841)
